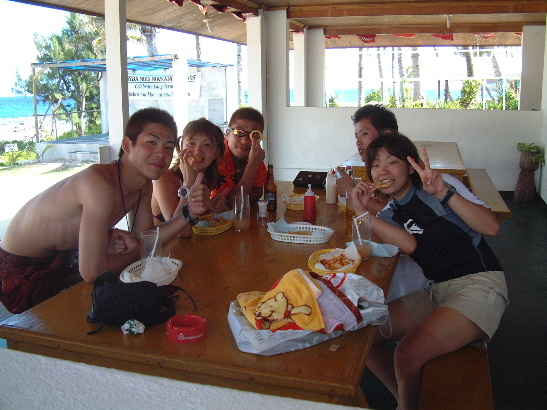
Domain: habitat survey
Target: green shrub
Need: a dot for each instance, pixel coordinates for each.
(537, 151)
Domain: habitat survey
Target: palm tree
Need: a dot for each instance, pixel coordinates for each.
(360, 77)
(401, 75)
(415, 73)
(380, 72)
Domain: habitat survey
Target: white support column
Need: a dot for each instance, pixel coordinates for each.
(180, 93)
(256, 66)
(299, 46)
(315, 68)
(103, 90)
(533, 46)
(116, 64)
(276, 41)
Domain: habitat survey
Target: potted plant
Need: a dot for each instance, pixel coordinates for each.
(532, 156)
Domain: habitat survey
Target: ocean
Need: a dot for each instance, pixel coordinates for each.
(19, 106)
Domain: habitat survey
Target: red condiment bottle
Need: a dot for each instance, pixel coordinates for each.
(309, 206)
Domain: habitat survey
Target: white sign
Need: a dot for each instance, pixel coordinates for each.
(151, 85)
(10, 148)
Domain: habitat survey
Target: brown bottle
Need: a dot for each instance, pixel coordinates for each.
(270, 190)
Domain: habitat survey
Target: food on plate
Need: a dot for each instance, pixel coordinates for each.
(337, 262)
(302, 233)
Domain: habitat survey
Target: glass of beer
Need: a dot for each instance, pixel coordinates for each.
(361, 234)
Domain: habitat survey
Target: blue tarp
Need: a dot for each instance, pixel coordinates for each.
(141, 63)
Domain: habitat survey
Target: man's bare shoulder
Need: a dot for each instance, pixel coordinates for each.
(169, 177)
(98, 180)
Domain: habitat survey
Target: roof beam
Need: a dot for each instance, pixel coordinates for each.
(431, 7)
(244, 6)
(429, 28)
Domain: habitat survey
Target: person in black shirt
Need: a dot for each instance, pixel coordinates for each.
(442, 231)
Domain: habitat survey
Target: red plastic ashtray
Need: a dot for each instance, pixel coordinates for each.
(186, 328)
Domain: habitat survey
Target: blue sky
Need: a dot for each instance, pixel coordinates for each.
(18, 23)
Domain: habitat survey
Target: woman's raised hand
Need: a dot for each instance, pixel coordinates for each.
(363, 198)
(432, 181)
(188, 173)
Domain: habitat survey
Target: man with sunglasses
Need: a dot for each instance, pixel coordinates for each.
(243, 160)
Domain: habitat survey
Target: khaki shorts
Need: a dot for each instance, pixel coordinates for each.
(480, 297)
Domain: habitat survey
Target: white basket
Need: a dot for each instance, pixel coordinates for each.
(319, 234)
(133, 273)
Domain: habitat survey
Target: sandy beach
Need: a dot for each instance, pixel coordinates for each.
(23, 128)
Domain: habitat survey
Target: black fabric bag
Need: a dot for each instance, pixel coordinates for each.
(115, 302)
(315, 178)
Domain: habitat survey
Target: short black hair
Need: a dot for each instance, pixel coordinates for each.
(141, 118)
(380, 117)
(399, 146)
(249, 114)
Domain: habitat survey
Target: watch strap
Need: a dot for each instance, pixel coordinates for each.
(186, 213)
(449, 193)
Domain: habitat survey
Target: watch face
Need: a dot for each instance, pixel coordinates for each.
(183, 192)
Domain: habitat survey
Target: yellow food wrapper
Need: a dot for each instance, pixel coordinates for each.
(291, 304)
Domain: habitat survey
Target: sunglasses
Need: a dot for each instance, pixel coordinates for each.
(243, 134)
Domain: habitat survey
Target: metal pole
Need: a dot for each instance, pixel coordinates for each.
(225, 95)
(35, 104)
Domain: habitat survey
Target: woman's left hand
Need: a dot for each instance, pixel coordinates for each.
(432, 181)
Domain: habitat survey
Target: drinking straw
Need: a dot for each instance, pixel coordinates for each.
(155, 241)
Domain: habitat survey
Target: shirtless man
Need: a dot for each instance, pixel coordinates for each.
(80, 211)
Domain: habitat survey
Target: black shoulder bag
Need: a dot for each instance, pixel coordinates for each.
(115, 302)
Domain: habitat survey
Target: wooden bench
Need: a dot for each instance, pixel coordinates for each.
(480, 183)
(458, 381)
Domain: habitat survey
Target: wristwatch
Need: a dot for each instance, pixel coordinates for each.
(450, 191)
(183, 192)
(186, 213)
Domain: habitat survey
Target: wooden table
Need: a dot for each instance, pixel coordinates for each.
(215, 270)
(443, 156)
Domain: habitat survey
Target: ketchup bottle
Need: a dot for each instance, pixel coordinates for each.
(309, 206)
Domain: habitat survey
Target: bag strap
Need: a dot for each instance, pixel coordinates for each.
(341, 295)
(194, 304)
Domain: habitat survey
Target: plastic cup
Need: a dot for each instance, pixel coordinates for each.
(148, 239)
(262, 208)
(361, 234)
(242, 211)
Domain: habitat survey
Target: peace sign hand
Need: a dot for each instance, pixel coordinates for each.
(188, 173)
(432, 181)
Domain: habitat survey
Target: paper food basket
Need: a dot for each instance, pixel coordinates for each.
(162, 277)
(299, 232)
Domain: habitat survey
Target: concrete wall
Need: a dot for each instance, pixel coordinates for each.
(70, 152)
(543, 132)
(33, 382)
(320, 138)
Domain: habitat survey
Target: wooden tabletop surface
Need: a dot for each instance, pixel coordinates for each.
(216, 269)
(443, 156)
